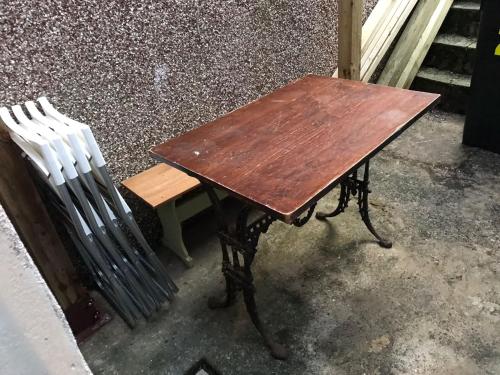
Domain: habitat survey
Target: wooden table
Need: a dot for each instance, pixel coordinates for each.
(282, 153)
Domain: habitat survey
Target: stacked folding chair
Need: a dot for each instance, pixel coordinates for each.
(100, 223)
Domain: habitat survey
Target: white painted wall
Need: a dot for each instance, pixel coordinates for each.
(35, 338)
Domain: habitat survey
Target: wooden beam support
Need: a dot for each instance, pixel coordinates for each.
(379, 31)
(392, 23)
(414, 43)
(23, 204)
(349, 32)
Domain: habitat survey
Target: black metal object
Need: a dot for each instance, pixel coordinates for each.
(352, 186)
(482, 123)
(301, 221)
(243, 241)
(244, 237)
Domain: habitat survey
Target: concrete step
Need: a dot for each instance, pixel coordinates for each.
(453, 52)
(463, 19)
(453, 87)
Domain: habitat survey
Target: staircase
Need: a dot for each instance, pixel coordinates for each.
(447, 68)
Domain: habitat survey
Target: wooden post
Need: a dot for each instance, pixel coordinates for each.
(23, 204)
(349, 33)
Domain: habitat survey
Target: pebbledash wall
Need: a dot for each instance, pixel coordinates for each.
(142, 72)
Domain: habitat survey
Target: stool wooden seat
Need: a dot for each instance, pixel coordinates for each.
(160, 184)
(163, 187)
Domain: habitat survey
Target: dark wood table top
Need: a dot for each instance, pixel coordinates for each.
(285, 150)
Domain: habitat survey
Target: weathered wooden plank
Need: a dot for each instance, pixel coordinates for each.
(350, 15)
(374, 22)
(379, 31)
(23, 204)
(160, 184)
(414, 43)
(371, 25)
(396, 19)
(406, 44)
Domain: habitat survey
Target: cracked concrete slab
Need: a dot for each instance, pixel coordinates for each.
(342, 304)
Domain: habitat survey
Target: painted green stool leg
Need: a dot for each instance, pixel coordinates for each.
(172, 232)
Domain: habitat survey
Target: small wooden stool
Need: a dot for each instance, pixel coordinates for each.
(161, 187)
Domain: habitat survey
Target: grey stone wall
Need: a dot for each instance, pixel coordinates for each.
(140, 72)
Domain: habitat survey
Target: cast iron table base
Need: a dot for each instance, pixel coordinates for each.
(243, 238)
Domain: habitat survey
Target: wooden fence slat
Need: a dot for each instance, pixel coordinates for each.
(374, 22)
(414, 43)
(379, 31)
(406, 44)
(400, 13)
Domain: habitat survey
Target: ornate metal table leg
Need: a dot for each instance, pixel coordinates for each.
(352, 186)
(229, 295)
(345, 196)
(278, 351)
(363, 192)
(243, 241)
(248, 235)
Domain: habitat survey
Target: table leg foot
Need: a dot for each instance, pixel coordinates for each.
(277, 350)
(385, 243)
(226, 299)
(364, 211)
(381, 241)
(218, 302)
(322, 216)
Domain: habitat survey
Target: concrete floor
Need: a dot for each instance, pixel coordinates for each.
(342, 304)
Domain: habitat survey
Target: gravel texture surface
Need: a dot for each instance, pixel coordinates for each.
(142, 72)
